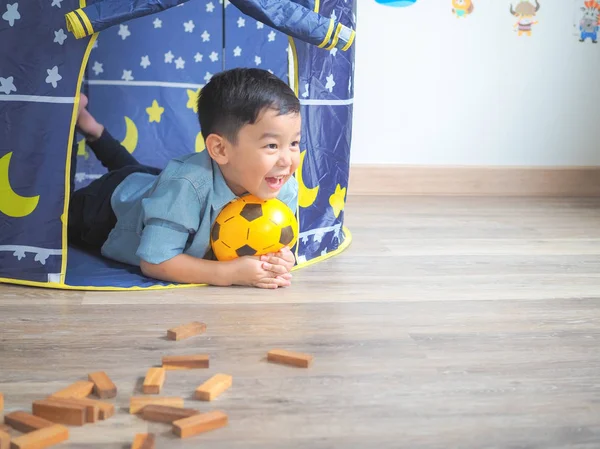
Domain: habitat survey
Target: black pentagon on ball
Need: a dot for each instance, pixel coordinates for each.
(245, 251)
(287, 235)
(251, 211)
(214, 233)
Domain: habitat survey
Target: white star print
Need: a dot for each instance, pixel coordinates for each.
(127, 75)
(305, 93)
(207, 77)
(53, 76)
(330, 83)
(272, 36)
(157, 23)
(241, 22)
(6, 85)
(179, 63)
(189, 26)
(198, 57)
(97, 68)
(57, 3)
(333, 16)
(257, 60)
(145, 61)
(237, 51)
(169, 57)
(333, 51)
(59, 36)
(210, 7)
(260, 25)
(214, 56)
(11, 13)
(95, 45)
(124, 31)
(205, 36)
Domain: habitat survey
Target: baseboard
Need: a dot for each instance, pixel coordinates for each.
(474, 181)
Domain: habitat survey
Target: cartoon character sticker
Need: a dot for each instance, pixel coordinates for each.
(587, 20)
(462, 8)
(525, 12)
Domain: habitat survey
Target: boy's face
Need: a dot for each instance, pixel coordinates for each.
(265, 156)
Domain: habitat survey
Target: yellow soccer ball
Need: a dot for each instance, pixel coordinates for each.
(249, 226)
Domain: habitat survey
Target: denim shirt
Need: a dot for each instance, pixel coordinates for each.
(159, 217)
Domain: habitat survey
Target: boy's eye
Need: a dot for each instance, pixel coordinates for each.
(272, 146)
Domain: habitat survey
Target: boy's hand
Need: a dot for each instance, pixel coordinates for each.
(279, 263)
(249, 270)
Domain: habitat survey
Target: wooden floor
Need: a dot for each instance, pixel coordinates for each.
(448, 323)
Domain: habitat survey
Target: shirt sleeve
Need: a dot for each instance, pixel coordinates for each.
(170, 215)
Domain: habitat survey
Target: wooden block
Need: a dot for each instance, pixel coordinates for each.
(4, 440)
(186, 331)
(71, 414)
(289, 358)
(42, 438)
(143, 441)
(213, 387)
(1, 402)
(79, 389)
(25, 422)
(155, 378)
(137, 403)
(92, 411)
(104, 388)
(164, 413)
(105, 409)
(5, 428)
(176, 362)
(196, 424)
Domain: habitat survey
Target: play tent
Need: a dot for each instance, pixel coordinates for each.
(142, 64)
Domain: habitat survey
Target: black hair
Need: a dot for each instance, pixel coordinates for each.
(236, 97)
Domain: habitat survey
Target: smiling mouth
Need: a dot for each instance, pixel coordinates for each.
(275, 182)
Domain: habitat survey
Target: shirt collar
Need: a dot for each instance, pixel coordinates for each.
(222, 193)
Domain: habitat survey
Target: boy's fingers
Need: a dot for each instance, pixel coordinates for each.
(277, 269)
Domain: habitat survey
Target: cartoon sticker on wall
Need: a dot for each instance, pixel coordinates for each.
(526, 13)
(587, 20)
(462, 8)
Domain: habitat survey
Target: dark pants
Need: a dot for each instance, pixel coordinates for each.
(91, 217)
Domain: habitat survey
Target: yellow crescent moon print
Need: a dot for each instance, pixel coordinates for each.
(11, 203)
(131, 135)
(199, 143)
(306, 196)
(81, 151)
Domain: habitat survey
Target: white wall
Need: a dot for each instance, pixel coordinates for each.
(431, 89)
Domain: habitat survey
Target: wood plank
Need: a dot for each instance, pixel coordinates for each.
(166, 414)
(204, 422)
(184, 362)
(284, 357)
(26, 422)
(137, 403)
(186, 331)
(155, 378)
(92, 407)
(60, 413)
(104, 387)
(213, 387)
(80, 389)
(143, 441)
(42, 438)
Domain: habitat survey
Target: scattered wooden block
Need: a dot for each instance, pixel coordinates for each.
(92, 407)
(25, 422)
(1, 402)
(61, 413)
(137, 403)
(213, 387)
(186, 331)
(143, 441)
(196, 424)
(104, 388)
(42, 438)
(177, 362)
(289, 358)
(164, 413)
(4, 440)
(6, 428)
(79, 389)
(155, 378)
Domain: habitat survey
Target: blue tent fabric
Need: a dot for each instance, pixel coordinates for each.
(142, 78)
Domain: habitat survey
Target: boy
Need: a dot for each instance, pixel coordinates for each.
(161, 220)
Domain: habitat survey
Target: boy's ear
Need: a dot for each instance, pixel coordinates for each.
(215, 145)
